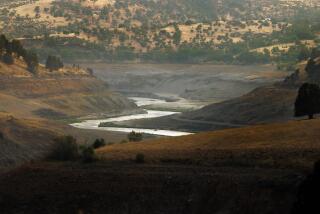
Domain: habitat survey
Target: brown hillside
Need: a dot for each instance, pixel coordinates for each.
(24, 140)
(31, 139)
(291, 144)
(69, 92)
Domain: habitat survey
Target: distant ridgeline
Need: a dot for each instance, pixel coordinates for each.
(178, 31)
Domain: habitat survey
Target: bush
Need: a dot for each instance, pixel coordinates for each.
(98, 143)
(65, 149)
(140, 158)
(88, 155)
(135, 137)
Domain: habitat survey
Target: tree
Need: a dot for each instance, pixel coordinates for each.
(17, 48)
(3, 43)
(135, 137)
(8, 58)
(65, 149)
(88, 155)
(53, 63)
(98, 143)
(31, 59)
(308, 100)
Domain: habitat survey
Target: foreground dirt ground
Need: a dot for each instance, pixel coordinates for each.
(146, 188)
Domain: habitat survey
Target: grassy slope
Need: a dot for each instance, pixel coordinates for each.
(248, 170)
(292, 144)
(69, 92)
(24, 140)
(31, 139)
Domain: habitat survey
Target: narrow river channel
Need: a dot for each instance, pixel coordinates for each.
(140, 101)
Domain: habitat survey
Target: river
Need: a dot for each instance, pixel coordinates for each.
(141, 102)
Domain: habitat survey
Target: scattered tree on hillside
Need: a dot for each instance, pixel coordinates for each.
(31, 59)
(98, 143)
(88, 155)
(308, 100)
(54, 63)
(312, 69)
(65, 149)
(3, 43)
(17, 48)
(9, 49)
(135, 137)
(8, 58)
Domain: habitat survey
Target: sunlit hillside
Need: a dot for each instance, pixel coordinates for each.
(292, 144)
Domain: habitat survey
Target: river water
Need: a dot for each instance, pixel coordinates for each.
(140, 101)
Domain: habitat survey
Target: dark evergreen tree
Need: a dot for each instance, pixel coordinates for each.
(54, 63)
(17, 48)
(98, 143)
(8, 58)
(313, 71)
(3, 43)
(135, 137)
(31, 59)
(308, 100)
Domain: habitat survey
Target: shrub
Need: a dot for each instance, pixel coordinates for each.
(65, 149)
(140, 158)
(98, 143)
(135, 137)
(88, 155)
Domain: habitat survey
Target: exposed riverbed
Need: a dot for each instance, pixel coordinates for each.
(164, 90)
(140, 101)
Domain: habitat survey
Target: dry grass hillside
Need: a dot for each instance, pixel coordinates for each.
(293, 144)
(24, 140)
(249, 170)
(69, 92)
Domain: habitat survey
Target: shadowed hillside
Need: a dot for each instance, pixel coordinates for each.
(24, 140)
